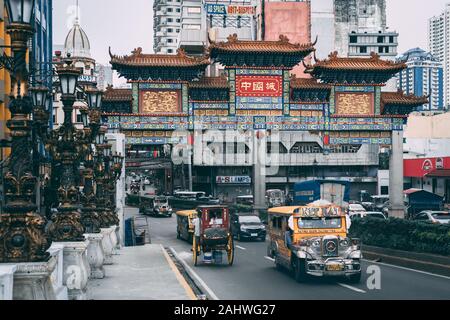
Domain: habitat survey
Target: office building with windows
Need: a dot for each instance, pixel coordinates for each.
(166, 25)
(360, 29)
(439, 45)
(423, 77)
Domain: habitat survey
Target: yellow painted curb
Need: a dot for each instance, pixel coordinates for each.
(180, 278)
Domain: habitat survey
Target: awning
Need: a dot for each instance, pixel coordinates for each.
(440, 173)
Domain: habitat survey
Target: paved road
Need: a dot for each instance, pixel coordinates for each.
(253, 276)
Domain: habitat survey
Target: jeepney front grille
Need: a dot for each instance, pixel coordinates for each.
(330, 247)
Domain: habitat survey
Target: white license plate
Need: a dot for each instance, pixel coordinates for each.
(254, 234)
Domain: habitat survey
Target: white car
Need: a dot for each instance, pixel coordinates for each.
(370, 214)
(354, 207)
(437, 217)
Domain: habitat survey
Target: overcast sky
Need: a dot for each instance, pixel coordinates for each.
(125, 25)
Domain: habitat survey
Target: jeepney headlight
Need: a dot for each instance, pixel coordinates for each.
(344, 243)
(316, 243)
(243, 229)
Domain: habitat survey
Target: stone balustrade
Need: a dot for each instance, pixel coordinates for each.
(57, 277)
(7, 281)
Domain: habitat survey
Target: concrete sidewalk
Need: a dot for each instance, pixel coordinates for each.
(141, 273)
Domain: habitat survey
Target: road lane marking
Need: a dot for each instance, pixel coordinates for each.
(242, 248)
(407, 269)
(270, 259)
(351, 287)
(178, 275)
(196, 276)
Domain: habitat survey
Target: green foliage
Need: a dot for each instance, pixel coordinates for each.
(132, 200)
(403, 234)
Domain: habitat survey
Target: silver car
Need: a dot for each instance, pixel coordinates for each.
(437, 217)
(367, 214)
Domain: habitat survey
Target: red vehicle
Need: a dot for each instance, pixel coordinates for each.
(215, 233)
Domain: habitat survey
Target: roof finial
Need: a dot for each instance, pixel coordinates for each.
(77, 17)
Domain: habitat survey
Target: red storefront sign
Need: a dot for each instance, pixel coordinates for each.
(259, 86)
(419, 168)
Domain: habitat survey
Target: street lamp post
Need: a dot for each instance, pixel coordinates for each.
(91, 219)
(67, 145)
(103, 180)
(22, 235)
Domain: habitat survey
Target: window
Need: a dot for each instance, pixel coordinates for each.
(391, 39)
(353, 39)
(380, 39)
(170, 40)
(54, 118)
(170, 30)
(169, 50)
(384, 190)
(169, 9)
(422, 216)
(169, 20)
(79, 118)
(363, 49)
(178, 20)
(192, 26)
(194, 10)
(277, 222)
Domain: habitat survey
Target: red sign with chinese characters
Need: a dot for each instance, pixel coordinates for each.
(259, 86)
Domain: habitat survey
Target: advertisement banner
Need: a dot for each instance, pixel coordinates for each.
(232, 10)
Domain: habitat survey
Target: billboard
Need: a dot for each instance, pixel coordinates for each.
(222, 9)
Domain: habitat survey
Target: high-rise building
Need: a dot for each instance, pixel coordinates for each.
(166, 25)
(42, 42)
(360, 29)
(424, 76)
(205, 21)
(40, 57)
(290, 18)
(193, 35)
(5, 82)
(439, 45)
(322, 26)
(104, 74)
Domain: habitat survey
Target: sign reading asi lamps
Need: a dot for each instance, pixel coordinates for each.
(233, 180)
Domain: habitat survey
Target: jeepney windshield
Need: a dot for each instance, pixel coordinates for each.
(320, 223)
(160, 201)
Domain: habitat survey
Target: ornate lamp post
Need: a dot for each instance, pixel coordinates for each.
(91, 119)
(22, 236)
(102, 178)
(67, 144)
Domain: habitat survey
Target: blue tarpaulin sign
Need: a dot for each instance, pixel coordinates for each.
(212, 8)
